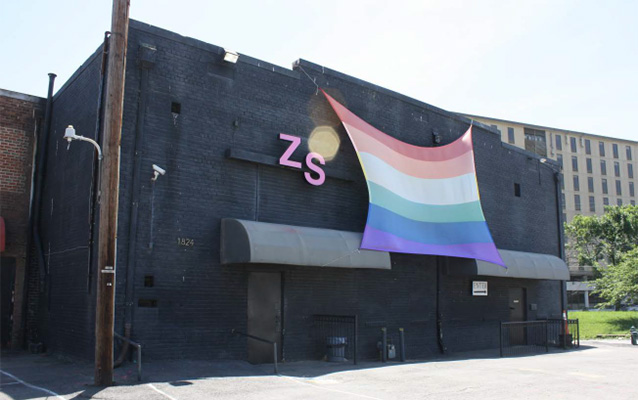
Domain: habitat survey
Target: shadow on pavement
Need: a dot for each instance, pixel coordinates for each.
(71, 376)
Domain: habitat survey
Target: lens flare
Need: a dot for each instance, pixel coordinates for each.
(325, 141)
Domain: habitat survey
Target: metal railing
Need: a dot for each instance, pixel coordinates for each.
(138, 347)
(524, 337)
(274, 346)
(334, 332)
(557, 337)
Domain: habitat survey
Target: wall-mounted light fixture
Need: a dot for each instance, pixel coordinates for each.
(230, 56)
(436, 138)
(69, 135)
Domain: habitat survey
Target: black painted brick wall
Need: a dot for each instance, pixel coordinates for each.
(67, 306)
(199, 301)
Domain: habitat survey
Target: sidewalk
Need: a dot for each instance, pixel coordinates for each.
(599, 369)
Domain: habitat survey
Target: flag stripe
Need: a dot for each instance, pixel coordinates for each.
(377, 240)
(440, 153)
(463, 164)
(434, 191)
(428, 232)
(463, 212)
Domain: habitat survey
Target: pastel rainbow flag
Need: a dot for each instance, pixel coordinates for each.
(423, 200)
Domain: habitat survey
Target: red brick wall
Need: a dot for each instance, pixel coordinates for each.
(20, 117)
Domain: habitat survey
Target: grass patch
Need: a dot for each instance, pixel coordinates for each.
(594, 323)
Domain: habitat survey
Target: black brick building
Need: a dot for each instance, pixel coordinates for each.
(214, 127)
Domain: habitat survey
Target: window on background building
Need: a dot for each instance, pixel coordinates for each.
(603, 167)
(592, 204)
(496, 127)
(605, 201)
(590, 184)
(577, 202)
(631, 189)
(616, 169)
(510, 135)
(563, 201)
(618, 188)
(605, 189)
(614, 149)
(590, 169)
(559, 159)
(619, 202)
(572, 144)
(587, 146)
(564, 217)
(632, 202)
(628, 148)
(559, 142)
(535, 141)
(574, 163)
(562, 182)
(601, 148)
(630, 171)
(576, 183)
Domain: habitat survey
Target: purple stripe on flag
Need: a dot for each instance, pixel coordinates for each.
(374, 239)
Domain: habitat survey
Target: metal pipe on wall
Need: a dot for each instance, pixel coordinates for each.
(131, 259)
(37, 198)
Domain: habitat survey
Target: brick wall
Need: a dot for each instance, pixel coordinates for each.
(20, 117)
(195, 302)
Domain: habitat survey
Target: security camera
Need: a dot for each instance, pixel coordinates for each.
(157, 171)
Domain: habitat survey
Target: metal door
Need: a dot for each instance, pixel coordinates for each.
(264, 315)
(517, 313)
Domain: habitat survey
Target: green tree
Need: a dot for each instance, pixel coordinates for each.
(609, 243)
(606, 238)
(619, 283)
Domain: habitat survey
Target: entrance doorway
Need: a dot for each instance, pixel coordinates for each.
(517, 307)
(264, 315)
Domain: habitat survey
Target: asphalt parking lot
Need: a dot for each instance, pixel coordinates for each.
(599, 369)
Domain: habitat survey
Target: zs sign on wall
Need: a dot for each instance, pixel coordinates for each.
(295, 141)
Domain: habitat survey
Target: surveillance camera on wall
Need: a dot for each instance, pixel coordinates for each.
(157, 171)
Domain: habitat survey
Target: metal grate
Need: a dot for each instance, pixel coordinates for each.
(330, 333)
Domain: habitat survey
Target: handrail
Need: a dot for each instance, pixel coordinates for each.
(274, 345)
(139, 353)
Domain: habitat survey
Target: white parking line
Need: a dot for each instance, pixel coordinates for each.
(161, 392)
(50, 392)
(330, 389)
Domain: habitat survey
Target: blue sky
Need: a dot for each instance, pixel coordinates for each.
(565, 64)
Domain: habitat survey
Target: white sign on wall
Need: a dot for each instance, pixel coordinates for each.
(479, 288)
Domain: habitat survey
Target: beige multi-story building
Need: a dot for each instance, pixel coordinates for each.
(597, 170)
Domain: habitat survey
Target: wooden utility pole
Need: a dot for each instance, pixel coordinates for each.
(109, 189)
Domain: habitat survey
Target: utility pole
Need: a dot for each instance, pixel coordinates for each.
(109, 189)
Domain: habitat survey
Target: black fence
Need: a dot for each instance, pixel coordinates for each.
(336, 337)
(518, 338)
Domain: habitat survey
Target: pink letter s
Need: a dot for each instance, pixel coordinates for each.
(322, 175)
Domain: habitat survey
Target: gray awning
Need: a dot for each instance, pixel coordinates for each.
(519, 265)
(525, 265)
(250, 242)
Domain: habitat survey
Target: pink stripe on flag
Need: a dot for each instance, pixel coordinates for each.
(441, 153)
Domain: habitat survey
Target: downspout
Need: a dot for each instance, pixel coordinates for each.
(146, 61)
(37, 198)
(439, 314)
(561, 237)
